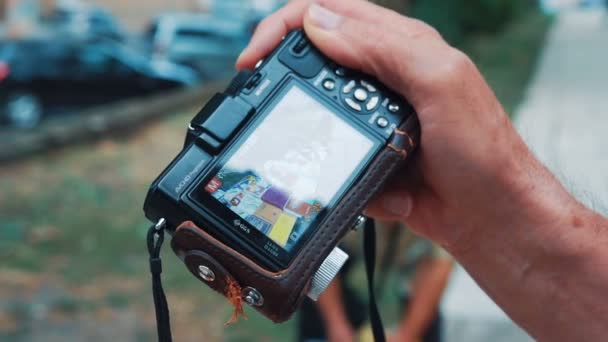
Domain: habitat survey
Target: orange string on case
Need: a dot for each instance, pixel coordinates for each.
(233, 293)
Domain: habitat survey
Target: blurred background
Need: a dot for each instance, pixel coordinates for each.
(94, 100)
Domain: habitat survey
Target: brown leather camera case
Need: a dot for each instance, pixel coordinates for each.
(283, 291)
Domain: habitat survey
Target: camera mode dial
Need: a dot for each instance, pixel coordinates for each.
(327, 272)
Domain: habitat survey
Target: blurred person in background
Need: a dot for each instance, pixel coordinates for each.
(340, 311)
(422, 269)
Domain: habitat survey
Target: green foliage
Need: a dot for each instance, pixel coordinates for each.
(442, 15)
(457, 19)
(490, 15)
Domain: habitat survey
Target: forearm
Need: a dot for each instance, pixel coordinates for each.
(331, 305)
(429, 285)
(545, 264)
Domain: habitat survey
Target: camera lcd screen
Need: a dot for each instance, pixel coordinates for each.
(290, 168)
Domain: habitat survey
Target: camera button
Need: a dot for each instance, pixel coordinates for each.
(349, 87)
(359, 223)
(360, 94)
(393, 107)
(226, 118)
(253, 82)
(352, 104)
(373, 103)
(382, 122)
(369, 87)
(329, 84)
(210, 141)
(259, 63)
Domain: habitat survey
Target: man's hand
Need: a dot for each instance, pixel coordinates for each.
(470, 155)
(476, 189)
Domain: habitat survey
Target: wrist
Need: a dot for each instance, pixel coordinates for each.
(526, 199)
(530, 222)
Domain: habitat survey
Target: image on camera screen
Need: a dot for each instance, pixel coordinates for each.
(290, 168)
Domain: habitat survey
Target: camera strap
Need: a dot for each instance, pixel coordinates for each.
(156, 236)
(369, 252)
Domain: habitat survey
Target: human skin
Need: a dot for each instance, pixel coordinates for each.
(428, 286)
(475, 188)
(331, 308)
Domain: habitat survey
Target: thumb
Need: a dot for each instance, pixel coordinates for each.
(370, 47)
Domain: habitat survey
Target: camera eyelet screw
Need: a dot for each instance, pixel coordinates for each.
(252, 296)
(160, 224)
(206, 273)
(359, 223)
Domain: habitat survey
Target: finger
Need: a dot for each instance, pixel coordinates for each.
(395, 201)
(400, 196)
(271, 30)
(374, 49)
(391, 206)
(406, 202)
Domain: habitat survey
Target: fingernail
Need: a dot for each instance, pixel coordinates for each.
(323, 17)
(399, 205)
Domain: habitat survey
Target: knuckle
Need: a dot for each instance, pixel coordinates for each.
(377, 47)
(458, 62)
(264, 25)
(368, 46)
(419, 27)
(452, 68)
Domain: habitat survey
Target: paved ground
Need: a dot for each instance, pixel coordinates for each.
(565, 121)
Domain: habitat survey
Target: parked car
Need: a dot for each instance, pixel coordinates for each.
(207, 43)
(39, 74)
(84, 19)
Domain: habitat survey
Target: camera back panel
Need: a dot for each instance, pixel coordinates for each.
(363, 98)
(217, 137)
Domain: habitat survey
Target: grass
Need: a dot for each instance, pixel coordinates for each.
(73, 217)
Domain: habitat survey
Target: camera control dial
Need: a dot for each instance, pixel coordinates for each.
(361, 96)
(327, 272)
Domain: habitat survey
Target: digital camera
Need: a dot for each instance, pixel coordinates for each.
(276, 170)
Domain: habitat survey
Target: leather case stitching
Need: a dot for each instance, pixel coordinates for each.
(382, 167)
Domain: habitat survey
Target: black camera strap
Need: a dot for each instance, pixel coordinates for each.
(369, 251)
(156, 236)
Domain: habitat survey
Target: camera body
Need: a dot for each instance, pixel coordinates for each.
(270, 162)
